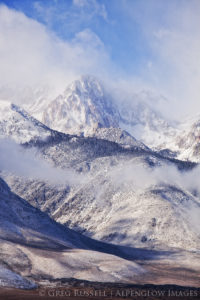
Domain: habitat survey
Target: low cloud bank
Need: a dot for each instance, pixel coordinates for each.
(141, 177)
(25, 163)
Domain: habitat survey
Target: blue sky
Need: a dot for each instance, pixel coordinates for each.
(145, 44)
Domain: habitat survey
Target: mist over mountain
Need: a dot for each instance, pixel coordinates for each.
(99, 146)
(100, 178)
(89, 108)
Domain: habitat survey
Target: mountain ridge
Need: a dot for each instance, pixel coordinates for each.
(86, 108)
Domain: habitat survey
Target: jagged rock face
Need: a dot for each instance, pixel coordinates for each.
(83, 107)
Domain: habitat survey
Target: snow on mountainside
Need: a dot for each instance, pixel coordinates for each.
(119, 136)
(187, 140)
(176, 139)
(82, 108)
(20, 222)
(127, 199)
(85, 108)
(109, 206)
(145, 124)
(35, 247)
(182, 141)
(19, 125)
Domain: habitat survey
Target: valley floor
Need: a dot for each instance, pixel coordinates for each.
(163, 280)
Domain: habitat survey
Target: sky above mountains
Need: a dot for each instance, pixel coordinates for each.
(137, 44)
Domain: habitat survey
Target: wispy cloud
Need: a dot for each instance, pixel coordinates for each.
(91, 7)
(67, 17)
(25, 163)
(171, 31)
(178, 187)
(159, 40)
(140, 177)
(30, 55)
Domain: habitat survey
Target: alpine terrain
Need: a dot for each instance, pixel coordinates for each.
(107, 192)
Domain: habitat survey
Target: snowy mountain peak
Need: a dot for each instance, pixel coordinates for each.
(83, 107)
(87, 85)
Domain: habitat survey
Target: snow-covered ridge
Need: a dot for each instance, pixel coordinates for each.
(85, 108)
(17, 124)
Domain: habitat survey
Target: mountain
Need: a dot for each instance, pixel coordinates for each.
(34, 248)
(146, 124)
(182, 141)
(187, 140)
(150, 221)
(17, 124)
(98, 157)
(119, 201)
(121, 198)
(83, 107)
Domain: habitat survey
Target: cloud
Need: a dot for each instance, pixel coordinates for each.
(141, 177)
(25, 163)
(171, 32)
(138, 178)
(184, 67)
(67, 17)
(32, 56)
(80, 3)
(91, 7)
(164, 40)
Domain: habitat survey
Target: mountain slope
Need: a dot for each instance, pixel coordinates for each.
(187, 142)
(125, 198)
(33, 246)
(145, 123)
(83, 107)
(86, 108)
(49, 256)
(97, 159)
(183, 142)
(19, 125)
(120, 184)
